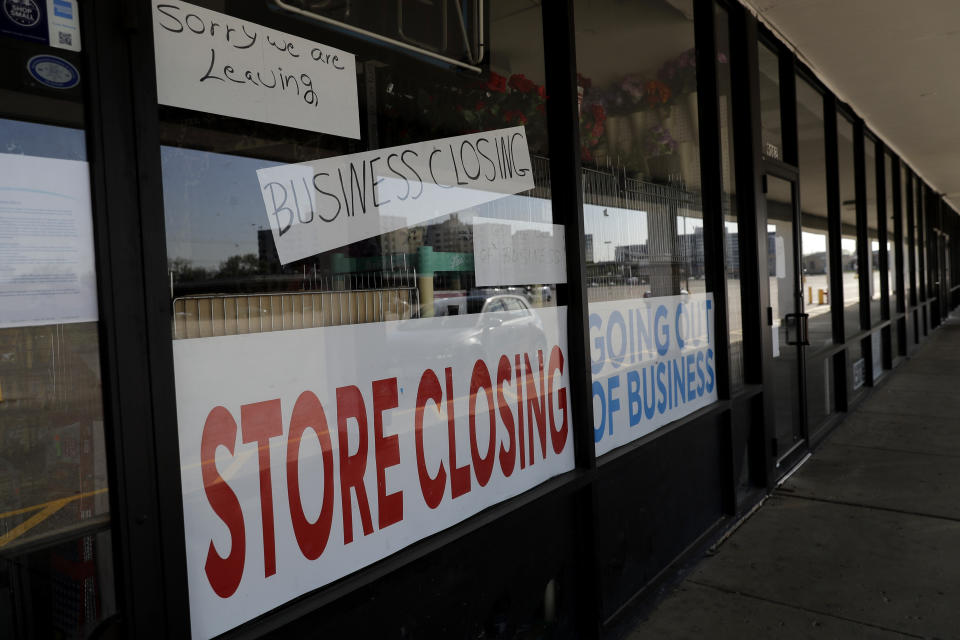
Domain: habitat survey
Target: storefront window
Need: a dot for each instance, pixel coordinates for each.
(813, 243)
(873, 237)
(56, 570)
(919, 237)
(892, 263)
(728, 201)
(848, 233)
(363, 282)
(650, 313)
(910, 290)
(770, 119)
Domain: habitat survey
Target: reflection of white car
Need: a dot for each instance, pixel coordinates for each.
(500, 318)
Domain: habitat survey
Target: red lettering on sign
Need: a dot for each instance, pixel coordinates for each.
(431, 486)
(520, 446)
(224, 574)
(557, 436)
(311, 536)
(350, 405)
(482, 467)
(535, 405)
(387, 450)
(259, 422)
(508, 455)
(459, 476)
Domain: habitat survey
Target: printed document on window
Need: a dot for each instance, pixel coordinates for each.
(47, 271)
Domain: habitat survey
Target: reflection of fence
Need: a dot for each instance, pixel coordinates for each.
(348, 299)
(655, 229)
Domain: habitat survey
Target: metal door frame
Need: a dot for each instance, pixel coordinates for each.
(785, 460)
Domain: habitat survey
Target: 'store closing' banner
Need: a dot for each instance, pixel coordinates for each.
(306, 455)
(652, 362)
(326, 204)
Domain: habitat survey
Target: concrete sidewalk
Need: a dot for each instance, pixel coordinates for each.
(863, 541)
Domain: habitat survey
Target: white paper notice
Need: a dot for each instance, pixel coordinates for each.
(47, 271)
(216, 63)
(514, 252)
(63, 22)
(326, 204)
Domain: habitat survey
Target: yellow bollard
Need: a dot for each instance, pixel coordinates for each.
(820, 293)
(809, 295)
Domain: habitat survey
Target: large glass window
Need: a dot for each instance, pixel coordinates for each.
(728, 202)
(919, 237)
(909, 266)
(56, 570)
(873, 235)
(814, 256)
(770, 119)
(357, 275)
(643, 217)
(848, 229)
(892, 262)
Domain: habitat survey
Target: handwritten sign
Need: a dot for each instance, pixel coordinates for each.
(325, 204)
(512, 252)
(212, 62)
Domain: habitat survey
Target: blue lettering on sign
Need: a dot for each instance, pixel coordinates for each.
(661, 330)
(650, 361)
(598, 393)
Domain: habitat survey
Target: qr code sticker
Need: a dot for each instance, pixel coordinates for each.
(65, 38)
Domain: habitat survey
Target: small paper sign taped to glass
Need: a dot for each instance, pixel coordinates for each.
(507, 252)
(215, 63)
(326, 204)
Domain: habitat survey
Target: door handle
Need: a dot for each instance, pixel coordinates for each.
(796, 326)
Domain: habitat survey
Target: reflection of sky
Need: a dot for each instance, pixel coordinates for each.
(612, 227)
(43, 140)
(212, 204)
(813, 243)
(848, 245)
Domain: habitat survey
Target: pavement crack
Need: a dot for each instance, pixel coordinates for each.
(797, 607)
(894, 450)
(845, 503)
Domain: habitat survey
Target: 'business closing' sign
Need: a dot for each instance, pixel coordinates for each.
(306, 455)
(652, 361)
(325, 204)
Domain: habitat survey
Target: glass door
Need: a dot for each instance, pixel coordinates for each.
(785, 317)
(56, 552)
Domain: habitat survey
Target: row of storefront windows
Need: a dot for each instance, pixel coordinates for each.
(368, 285)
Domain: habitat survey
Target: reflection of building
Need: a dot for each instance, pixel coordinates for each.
(815, 262)
(588, 247)
(688, 252)
(451, 235)
(732, 253)
(267, 251)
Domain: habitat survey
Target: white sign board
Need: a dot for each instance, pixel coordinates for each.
(63, 24)
(326, 204)
(47, 270)
(213, 62)
(653, 361)
(509, 252)
(306, 455)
